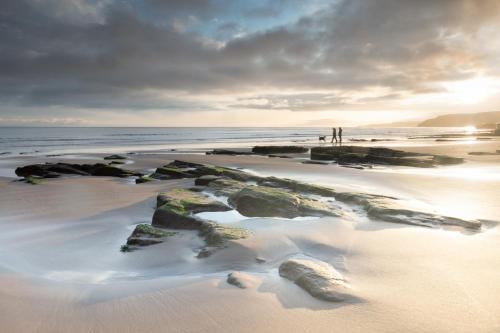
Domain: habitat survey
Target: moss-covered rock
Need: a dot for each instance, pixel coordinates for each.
(176, 207)
(145, 234)
(261, 201)
(33, 180)
(205, 180)
(217, 235)
(171, 172)
(143, 179)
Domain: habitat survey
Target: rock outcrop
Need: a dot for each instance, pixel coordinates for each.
(261, 201)
(115, 157)
(316, 277)
(265, 150)
(52, 170)
(144, 235)
(377, 155)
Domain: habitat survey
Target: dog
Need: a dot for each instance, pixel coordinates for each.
(322, 138)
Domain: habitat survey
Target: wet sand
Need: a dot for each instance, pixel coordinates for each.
(61, 269)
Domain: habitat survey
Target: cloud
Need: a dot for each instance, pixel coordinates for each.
(171, 55)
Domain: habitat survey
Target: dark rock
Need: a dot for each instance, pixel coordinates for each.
(144, 235)
(170, 172)
(266, 150)
(238, 279)
(296, 186)
(143, 179)
(117, 162)
(227, 152)
(483, 153)
(175, 209)
(206, 252)
(349, 155)
(49, 170)
(205, 180)
(115, 157)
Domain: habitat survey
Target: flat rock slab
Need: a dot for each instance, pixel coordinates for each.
(316, 277)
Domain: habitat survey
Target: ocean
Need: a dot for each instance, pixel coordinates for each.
(67, 140)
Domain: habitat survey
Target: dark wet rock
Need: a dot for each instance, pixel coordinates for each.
(483, 153)
(145, 234)
(390, 209)
(316, 277)
(224, 172)
(206, 252)
(205, 180)
(143, 179)
(5, 153)
(228, 152)
(117, 162)
(184, 164)
(261, 201)
(266, 150)
(176, 207)
(315, 162)
(49, 170)
(115, 157)
(349, 155)
(260, 260)
(278, 156)
(238, 279)
(33, 180)
(171, 172)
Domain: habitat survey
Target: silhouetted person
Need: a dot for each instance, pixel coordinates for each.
(334, 134)
(340, 135)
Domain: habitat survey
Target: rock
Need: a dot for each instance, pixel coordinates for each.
(316, 277)
(144, 235)
(143, 179)
(378, 155)
(315, 162)
(175, 209)
(266, 150)
(33, 180)
(184, 164)
(205, 180)
(49, 170)
(170, 172)
(296, 186)
(238, 279)
(224, 172)
(217, 235)
(115, 157)
(227, 152)
(391, 209)
(206, 252)
(117, 162)
(483, 153)
(261, 201)
(260, 260)
(278, 156)
(225, 187)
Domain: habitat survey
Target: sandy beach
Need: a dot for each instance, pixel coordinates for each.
(61, 269)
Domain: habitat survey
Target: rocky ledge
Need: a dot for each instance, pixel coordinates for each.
(378, 155)
(54, 170)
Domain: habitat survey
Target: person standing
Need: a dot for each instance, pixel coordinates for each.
(334, 134)
(340, 135)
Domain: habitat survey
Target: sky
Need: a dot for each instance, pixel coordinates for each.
(245, 63)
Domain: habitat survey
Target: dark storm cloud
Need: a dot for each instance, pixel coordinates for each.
(105, 54)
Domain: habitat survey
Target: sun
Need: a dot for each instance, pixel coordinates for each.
(471, 91)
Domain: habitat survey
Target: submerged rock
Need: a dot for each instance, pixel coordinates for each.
(316, 277)
(115, 157)
(238, 279)
(266, 150)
